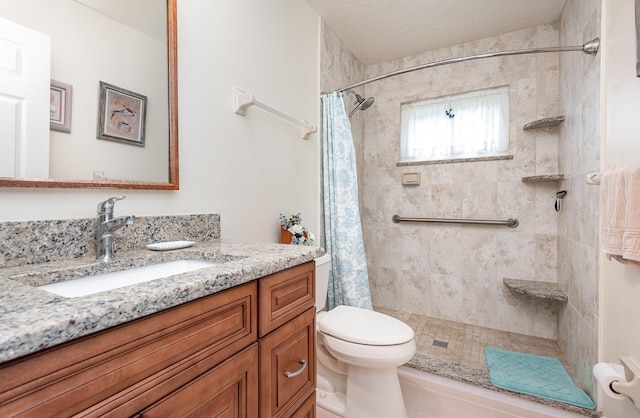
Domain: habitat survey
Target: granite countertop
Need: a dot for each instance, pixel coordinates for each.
(542, 290)
(32, 319)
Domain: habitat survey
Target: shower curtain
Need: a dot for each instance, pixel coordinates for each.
(348, 277)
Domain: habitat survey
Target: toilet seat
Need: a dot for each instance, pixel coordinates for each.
(369, 356)
(363, 326)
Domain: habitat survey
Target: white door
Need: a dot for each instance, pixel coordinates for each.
(25, 68)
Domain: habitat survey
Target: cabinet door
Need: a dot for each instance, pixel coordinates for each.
(123, 365)
(227, 391)
(288, 366)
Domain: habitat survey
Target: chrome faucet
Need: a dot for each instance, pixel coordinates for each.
(106, 225)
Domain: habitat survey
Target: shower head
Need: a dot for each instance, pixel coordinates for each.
(361, 103)
(367, 103)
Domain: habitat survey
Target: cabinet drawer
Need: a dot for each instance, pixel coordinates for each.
(285, 295)
(229, 390)
(308, 408)
(285, 381)
(129, 359)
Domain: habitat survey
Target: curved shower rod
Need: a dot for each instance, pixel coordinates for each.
(590, 48)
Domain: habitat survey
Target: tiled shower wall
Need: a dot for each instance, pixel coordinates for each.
(456, 272)
(578, 222)
(340, 68)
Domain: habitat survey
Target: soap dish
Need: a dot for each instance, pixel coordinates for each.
(170, 245)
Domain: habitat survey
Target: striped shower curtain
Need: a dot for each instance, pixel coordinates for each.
(348, 277)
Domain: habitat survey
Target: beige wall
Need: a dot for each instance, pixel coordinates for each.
(619, 285)
(247, 169)
(450, 271)
(579, 154)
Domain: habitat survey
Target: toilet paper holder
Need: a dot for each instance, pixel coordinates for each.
(630, 388)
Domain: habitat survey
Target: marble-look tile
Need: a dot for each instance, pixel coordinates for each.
(546, 260)
(545, 215)
(447, 200)
(516, 252)
(478, 172)
(460, 261)
(547, 95)
(526, 91)
(515, 201)
(564, 266)
(384, 285)
(416, 247)
(339, 66)
(586, 279)
(579, 145)
(519, 313)
(546, 151)
(480, 201)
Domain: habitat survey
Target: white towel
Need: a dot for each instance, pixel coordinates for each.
(613, 208)
(620, 213)
(631, 238)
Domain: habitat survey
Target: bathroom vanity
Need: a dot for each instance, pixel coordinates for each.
(238, 340)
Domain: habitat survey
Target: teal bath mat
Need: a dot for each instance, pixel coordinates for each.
(530, 374)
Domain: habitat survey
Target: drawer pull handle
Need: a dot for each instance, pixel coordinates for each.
(297, 372)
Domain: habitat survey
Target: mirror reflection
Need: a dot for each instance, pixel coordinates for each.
(68, 127)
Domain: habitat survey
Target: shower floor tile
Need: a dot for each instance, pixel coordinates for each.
(456, 351)
(466, 343)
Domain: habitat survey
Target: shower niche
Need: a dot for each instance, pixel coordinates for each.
(541, 124)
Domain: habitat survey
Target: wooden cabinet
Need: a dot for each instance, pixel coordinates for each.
(229, 390)
(287, 366)
(287, 344)
(223, 355)
(119, 366)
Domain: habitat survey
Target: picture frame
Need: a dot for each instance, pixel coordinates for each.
(60, 97)
(121, 115)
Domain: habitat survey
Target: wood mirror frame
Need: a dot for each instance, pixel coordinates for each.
(173, 184)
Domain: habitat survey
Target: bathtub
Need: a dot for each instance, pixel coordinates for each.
(429, 396)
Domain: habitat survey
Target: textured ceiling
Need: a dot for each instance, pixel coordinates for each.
(146, 16)
(381, 30)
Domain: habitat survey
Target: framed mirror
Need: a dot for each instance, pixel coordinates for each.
(124, 136)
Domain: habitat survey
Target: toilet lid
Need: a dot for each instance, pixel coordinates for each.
(362, 326)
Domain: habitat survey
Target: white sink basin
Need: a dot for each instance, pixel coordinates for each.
(107, 281)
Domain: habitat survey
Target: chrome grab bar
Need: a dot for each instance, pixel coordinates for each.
(511, 222)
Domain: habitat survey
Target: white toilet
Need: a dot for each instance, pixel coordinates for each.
(358, 353)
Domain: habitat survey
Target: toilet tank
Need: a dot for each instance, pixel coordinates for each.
(322, 280)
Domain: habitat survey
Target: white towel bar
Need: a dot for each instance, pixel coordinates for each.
(594, 179)
(243, 100)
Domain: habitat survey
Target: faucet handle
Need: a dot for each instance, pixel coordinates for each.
(107, 205)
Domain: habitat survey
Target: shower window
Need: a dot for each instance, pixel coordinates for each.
(468, 125)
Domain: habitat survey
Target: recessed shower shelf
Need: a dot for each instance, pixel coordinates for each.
(537, 289)
(544, 123)
(546, 177)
